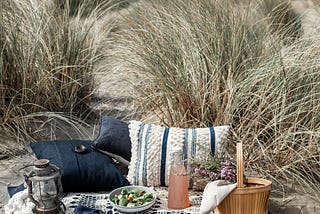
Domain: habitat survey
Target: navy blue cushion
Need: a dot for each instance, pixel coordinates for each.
(81, 172)
(15, 189)
(113, 139)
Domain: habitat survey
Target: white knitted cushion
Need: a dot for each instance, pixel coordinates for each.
(152, 145)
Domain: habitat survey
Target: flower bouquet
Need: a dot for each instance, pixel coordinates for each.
(219, 167)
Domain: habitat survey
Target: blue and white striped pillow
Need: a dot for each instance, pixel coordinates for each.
(152, 145)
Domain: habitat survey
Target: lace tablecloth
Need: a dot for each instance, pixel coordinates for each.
(100, 201)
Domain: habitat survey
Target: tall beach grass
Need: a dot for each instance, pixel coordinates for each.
(187, 55)
(277, 115)
(46, 64)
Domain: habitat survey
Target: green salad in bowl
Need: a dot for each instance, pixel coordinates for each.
(131, 199)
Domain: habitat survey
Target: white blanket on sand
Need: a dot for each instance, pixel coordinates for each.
(20, 203)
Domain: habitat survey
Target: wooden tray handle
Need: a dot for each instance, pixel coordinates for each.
(239, 165)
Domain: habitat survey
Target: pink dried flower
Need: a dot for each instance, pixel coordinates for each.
(216, 168)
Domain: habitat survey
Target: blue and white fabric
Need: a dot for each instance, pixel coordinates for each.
(99, 203)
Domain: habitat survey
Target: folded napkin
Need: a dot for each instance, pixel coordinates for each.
(86, 210)
(214, 193)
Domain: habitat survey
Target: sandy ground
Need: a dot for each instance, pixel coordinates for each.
(11, 175)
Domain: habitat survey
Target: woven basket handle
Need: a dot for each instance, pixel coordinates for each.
(239, 165)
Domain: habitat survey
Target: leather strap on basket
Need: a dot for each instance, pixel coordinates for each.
(239, 165)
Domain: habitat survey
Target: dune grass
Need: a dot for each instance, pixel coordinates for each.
(84, 8)
(47, 59)
(277, 115)
(180, 54)
(204, 63)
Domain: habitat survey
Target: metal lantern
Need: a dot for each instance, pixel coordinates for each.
(44, 187)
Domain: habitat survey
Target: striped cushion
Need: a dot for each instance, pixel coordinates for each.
(152, 145)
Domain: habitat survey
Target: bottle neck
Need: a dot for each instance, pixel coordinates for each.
(178, 158)
(179, 165)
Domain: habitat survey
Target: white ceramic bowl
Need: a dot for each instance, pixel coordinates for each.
(132, 209)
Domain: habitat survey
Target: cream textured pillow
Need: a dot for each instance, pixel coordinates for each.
(152, 145)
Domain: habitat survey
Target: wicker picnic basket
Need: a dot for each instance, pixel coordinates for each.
(250, 197)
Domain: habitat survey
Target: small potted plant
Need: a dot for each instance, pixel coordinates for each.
(219, 167)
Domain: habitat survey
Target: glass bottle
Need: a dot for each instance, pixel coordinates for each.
(178, 196)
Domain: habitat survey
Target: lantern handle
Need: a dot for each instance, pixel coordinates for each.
(25, 166)
(29, 185)
(59, 184)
